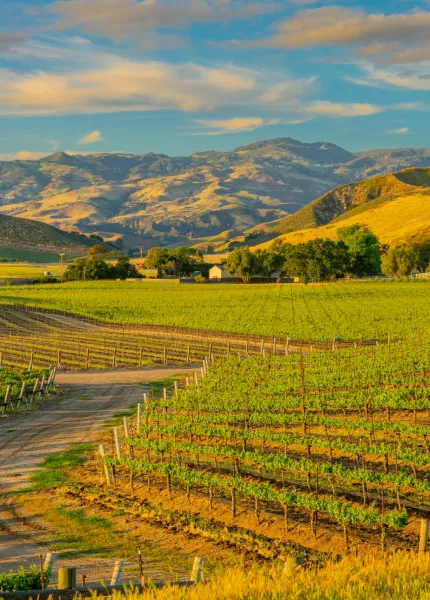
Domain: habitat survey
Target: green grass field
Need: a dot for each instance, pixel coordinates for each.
(345, 310)
(26, 271)
(32, 256)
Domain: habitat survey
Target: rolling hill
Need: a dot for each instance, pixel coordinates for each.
(396, 207)
(205, 198)
(20, 238)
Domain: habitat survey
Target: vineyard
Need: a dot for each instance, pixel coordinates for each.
(23, 388)
(45, 338)
(337, 442)
(347, 311)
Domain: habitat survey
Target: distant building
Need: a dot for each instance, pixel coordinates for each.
(218, 272)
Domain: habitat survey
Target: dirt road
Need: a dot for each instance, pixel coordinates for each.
(26, 439)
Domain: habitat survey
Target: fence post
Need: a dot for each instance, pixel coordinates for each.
(107, 468)
(36, 384)
(197, 570)
(49, 562)
(117, 439)
(138, 416)
(424, 534)
(87, 358)
(117, 573)
(6, 400)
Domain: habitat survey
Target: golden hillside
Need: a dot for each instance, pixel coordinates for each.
(395, 207)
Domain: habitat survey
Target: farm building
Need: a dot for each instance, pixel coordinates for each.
(218, 272)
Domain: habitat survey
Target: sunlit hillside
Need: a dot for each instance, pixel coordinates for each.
(395, 207)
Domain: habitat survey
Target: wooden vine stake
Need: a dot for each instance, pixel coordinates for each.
(138, 416)
(114, 358)
(176, 389)
(107, 468)
(165, 355)
(188, 354)
(30, 362)
(126, 429)
(424, 534)
(117, 573)
(117, 438)
(197, 570)
(87, 358)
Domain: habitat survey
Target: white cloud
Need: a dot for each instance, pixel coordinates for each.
(122, 20)
(341, 26)
(334, 109)
(234, 125)
(91, 138)
(400, 131)
(9, 40)
(415, 77)
(117, 84)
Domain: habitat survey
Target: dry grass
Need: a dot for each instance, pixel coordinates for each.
(397, 577)
(395, 222)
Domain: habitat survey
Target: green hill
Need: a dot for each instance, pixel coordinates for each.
(19, 238)
(396, 207)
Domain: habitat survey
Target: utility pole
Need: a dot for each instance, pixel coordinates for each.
(61, 265)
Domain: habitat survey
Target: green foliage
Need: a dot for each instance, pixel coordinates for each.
(243, 263)
(423, 255)
(95, 267)
(400, 261)
(23, 580)
(364, 250)
(177, 262)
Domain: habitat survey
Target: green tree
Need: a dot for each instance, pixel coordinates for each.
(157, 258)
(123, 268)
(97, 251)
(242, 263)
(96, 269)
(423, 252)
(400, 261)
(364, 250)
(75, 271)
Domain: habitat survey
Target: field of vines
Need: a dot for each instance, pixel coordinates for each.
(336, 442)
(350, 311)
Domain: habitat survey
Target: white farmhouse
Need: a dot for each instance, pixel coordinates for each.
(218, 273)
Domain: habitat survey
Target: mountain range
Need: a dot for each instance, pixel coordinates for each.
(208, 198)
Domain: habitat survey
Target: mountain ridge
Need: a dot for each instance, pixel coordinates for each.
(209, 197)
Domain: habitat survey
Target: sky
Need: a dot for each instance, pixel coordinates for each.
(181, 76)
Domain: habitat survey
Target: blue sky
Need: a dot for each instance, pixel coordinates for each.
(179, 76)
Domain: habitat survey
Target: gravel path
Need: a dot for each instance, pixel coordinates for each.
(27, 438)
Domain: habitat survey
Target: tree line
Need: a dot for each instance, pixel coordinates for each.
(98, 264)
(356, 252)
